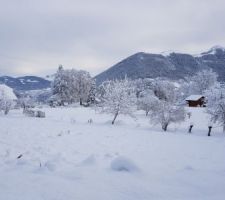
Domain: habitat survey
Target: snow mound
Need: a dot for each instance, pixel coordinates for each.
(122, 164)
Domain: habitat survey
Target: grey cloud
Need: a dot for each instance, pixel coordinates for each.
(36, 36)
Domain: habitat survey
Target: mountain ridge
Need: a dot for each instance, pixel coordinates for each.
(24, 83)
(172, 65)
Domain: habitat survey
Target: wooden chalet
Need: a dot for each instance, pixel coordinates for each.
(195, 101)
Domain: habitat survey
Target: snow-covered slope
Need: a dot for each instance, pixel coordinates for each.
(64, 157)
(25, 82)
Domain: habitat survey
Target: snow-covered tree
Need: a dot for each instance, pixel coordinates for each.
(60, 86)
(147, 101)
(71, 86)
(100, 91)
(216, 105)
(83, 86)
(118, 98)
(26, 101)
(141, 85)
(164, 90)
(165, 113)
(166, 109)
(92, 93)
(200, 82)
(7, 98)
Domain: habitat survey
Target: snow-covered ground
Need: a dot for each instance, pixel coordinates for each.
(63, 157)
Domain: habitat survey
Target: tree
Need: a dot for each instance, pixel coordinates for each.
(147, 101)
(7, 98)
(118, 98)
(61, 87)
(71, 86)
(165, 90)
(26, 101)
(83, 86)
(92, 93)
(216, 105)
(165, 113)
(200, 82)
(141, 85)
(166, 109)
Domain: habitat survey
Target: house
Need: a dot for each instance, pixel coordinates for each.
(195, 101)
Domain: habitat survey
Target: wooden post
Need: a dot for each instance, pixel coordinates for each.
(210, 129)
(190, 128)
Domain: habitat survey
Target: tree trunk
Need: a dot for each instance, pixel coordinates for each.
(114, 118)
(146, 113)
(81, 102)
(164, 127)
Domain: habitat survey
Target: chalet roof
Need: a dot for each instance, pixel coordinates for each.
(193, 97)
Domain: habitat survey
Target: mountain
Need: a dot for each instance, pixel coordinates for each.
(25, 83)
(169, 65)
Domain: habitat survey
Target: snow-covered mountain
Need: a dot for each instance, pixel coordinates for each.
(25, 82)
(170, 65)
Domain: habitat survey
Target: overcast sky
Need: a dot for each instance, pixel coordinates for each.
(38, 35)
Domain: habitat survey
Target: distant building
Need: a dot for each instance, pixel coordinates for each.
(195, 101)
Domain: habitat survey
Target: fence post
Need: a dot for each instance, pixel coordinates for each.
(190, 127)
(210, 129)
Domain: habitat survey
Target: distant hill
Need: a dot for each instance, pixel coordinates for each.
(25, 83)
(170, 65)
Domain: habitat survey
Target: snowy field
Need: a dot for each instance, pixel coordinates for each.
(63, 157)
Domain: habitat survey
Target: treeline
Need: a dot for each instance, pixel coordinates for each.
(162, 100)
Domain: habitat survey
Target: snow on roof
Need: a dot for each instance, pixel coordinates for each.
(7, 92)
(193, 97)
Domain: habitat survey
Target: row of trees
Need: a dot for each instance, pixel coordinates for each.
(159, 102)
(162, 100)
